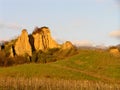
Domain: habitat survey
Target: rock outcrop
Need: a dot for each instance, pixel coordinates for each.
(115, 51)
(12, 53)
(22, 45)
(67, 45)
(40, 39)
(43, 40)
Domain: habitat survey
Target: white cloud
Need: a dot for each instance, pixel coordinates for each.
(102, 46)
(85, 43)
(7, 25)
(115, 34)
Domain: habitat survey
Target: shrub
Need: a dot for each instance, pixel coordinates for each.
(5, 61)
(1, 61)
(20, 60)
(2, 58)
(44, 57)
(112, 47)
(52, 51)
(34, 57)
(8, 62)
(38, 30)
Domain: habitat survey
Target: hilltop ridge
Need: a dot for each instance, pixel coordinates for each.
(37, 46)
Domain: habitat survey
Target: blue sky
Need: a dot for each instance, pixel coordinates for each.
(83, 21)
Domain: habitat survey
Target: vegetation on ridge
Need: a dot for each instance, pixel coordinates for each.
(36, 48)
(38, 30)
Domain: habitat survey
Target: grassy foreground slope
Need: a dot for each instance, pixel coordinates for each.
(90, 65)
(87, 65)
(98, 64)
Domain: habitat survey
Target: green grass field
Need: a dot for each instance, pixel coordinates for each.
(93, 66)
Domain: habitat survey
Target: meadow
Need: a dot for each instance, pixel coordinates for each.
(87, 70)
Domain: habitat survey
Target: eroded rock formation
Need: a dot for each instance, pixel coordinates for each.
(22, 45)
(43, 40)
(67, 45)
(40, 39)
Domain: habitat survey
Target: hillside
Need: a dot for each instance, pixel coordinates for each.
(36, 61)
(91, 65)
(39, 46)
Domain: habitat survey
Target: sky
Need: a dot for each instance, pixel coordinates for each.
(84, 22)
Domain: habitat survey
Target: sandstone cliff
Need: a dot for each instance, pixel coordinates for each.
(43, 40)
(40, 39)
(22, 45)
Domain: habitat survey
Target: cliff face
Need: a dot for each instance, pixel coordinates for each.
(22, 45)
(43, 40)
(40, 39)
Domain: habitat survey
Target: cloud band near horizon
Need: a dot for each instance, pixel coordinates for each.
(115, 34)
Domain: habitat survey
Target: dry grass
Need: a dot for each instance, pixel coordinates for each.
(8, 83)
